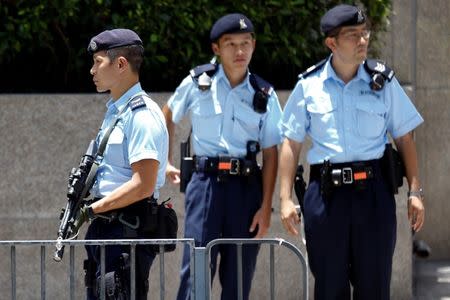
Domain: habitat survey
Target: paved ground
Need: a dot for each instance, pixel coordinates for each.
(431, 279)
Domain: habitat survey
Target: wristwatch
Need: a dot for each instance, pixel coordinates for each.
(418, 193)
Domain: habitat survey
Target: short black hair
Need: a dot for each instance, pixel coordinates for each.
(134, 54)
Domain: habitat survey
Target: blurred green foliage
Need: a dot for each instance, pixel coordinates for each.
(43, 42)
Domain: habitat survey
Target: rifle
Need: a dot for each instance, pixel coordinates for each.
(80, 182)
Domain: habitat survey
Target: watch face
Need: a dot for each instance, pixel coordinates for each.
(418, 193)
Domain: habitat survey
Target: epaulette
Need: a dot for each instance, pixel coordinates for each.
(378, 72)
(202, 74)
(137, 102)
(263, 89)
(209, 69)
(312, 69)
(259, 84)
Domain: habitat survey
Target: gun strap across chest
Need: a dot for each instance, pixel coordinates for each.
(102, 146)
(104, 141)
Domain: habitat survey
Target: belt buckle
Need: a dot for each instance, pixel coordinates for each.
(235, 165)
(347, 175)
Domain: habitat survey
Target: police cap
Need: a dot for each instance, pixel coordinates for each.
(341, 15)
(109, 39)
(231, 23)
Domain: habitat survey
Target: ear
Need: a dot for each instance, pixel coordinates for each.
(330, 42)
(122, 63)
(215, 48)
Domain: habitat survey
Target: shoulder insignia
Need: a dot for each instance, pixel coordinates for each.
(378, 66)
(209, 69)
(312, 69)
(202, 74)
(262, 93)
(379, 72)
(137, 102)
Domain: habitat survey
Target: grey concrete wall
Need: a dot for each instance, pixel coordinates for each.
(417, 46)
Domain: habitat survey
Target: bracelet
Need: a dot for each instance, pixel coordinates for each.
(418, 194)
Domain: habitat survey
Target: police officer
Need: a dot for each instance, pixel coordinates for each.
(228, 196)
(349, 209)
(133, 166)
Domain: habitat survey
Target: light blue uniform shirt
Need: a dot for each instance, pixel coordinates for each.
(346, 122)
(139, 134)
(222, 117)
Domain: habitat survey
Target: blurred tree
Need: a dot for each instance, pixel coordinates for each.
(43, 43)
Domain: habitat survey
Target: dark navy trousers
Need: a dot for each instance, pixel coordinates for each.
(222, 209)
(350, 239)
(115, 230)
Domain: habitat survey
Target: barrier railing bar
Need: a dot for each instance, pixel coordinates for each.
(272, 271)
(102, 243)
(162, 283)
(42, 272)
(72, 272)
(239, 270)
(133, 271)
(277, 241)
(200, 260)
(102, 272)
(202, 283)
(98, 242)
(13, 272)
(304, 262)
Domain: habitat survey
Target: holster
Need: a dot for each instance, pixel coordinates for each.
(393, 168)
(89, 267)
(326, 184)
(186, 165)
(300, 186)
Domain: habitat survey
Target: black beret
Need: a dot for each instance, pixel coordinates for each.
(341, 15)
(232, 23)
(109, 39)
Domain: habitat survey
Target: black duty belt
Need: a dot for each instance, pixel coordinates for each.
(347, 173)
(225, 165)
(131, 215)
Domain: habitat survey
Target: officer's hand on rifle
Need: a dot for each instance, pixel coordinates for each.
(173, 174)
(84, 215)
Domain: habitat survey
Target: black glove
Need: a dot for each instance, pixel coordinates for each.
(84, 215)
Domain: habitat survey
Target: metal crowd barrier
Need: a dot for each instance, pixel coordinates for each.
(200, 263)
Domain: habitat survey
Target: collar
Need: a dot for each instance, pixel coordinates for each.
(123, 100)
(220, 75)
(329, 73)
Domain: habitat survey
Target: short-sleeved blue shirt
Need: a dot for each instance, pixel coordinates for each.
(222, 117)
(139, 134)
(346, 122)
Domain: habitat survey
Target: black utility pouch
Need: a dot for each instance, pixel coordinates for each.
(150, 222)
(167, 226)
(392, 168)
(161, 223)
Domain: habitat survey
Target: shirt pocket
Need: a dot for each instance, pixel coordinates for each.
(114, 154)
(246, 124)
(322, 116)
(206, 121)
(370, 119)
